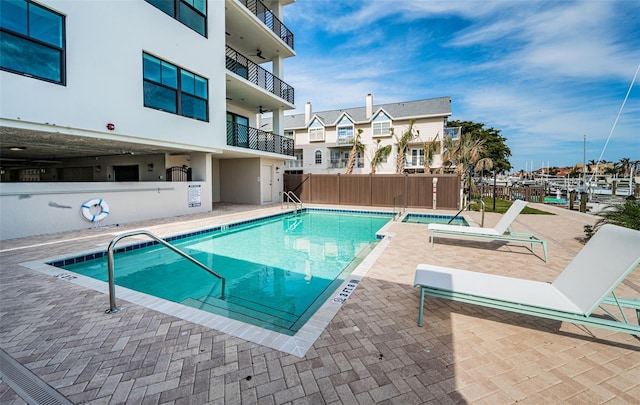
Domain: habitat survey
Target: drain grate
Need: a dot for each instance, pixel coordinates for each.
(28, 385)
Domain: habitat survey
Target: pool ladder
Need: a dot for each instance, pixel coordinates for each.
(112, 287)
(290, 197)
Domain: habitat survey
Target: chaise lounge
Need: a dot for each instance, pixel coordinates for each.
(587, 283)
(499, 232)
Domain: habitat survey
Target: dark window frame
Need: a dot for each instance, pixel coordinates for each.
(177, 15)
(180, 93)
(61, 50)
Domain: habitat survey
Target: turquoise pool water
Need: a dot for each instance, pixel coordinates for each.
(278, 270)
(434, 219)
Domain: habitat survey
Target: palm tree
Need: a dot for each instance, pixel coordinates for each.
(358, 147)
(430, 148)
(403, 144)
(379, 156)
(626, 215)
(625, 167)
(466, 154)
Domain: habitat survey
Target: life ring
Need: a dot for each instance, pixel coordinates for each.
(102, 206)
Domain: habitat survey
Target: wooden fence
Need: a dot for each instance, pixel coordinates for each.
(382, 190)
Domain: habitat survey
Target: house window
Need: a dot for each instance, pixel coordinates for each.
(316, 134)
(318, 156)
(32, 41)
(173, 89)
(417, 157)
(381, 125)
(382, 128)
(288, 133)
(192, 13)
(345, 134)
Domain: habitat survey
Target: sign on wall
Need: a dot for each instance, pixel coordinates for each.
(195, 198)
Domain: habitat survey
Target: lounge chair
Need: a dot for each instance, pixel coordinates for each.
(587, 282)
(499, 232)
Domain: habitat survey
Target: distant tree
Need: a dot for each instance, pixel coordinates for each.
(379, 155)
(494, 146)
(625, 167)
(402, 143)
(357, 147)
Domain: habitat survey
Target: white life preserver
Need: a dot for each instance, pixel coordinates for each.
(102, 206)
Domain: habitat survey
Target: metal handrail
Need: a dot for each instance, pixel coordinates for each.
(482, 207)
(110, 263)
(270, 20)
(256, 74)
(291, 197)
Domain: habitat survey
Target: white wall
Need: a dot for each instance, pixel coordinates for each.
(104, 45)
(40, 208)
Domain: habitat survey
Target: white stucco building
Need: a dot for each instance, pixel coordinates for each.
(151, 106)
(323, 140)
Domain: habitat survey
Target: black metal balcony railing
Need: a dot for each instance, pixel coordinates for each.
(271, 21)
(243, 67)
(257, 139)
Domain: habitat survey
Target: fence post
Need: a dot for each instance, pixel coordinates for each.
(435, 191)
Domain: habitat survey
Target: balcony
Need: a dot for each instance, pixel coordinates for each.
(256, 139)
(345, 140)
(248, 70)
(452, 132)
(342, 163)
(269, 20)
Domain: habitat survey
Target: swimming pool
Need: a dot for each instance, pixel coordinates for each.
(278, 270)
(434, 219)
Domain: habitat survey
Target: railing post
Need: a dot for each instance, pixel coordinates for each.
(112, 284)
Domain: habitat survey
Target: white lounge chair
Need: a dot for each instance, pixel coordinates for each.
(499, 232)
(587, 282)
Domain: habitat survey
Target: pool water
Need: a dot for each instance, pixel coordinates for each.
(278, 270)
(434, 219)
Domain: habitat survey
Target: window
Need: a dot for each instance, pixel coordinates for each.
(345, 134)
(316, 134)
(382, 128)
(417, 157)
(192, 13)
(237, 130)
(344, 128)
(173, 89)
(318, 156)
(32, 41)
(381, 125)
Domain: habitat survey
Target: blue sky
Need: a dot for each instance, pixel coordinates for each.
(544, 73)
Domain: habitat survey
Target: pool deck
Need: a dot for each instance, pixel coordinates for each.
(372, 350)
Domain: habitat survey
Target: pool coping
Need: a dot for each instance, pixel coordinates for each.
(297, 345)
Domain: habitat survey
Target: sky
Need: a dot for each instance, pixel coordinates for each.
(546, 74)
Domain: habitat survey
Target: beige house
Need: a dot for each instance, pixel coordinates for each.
(323, 140)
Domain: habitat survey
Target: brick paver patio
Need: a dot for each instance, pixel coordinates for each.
(371, 352)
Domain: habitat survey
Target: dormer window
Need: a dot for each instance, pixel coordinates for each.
(344, 128)
(381, 125)
(316, 131)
